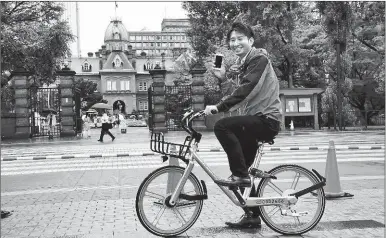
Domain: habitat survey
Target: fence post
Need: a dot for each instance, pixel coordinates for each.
(198, 93)
(158, 85)
(67, 115)
(20, 77)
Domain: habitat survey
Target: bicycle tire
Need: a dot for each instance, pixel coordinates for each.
(139, 202)
(319, 194)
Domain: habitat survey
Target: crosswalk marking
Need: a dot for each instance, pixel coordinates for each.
(210, 158)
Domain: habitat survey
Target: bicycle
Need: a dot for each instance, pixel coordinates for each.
(301, 205)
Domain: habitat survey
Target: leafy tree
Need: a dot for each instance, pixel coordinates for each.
(209, 23)
(88, 93)
(34, 38)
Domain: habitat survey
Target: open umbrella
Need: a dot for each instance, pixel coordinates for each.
(101, 106)
(91, 111)
(48, 110)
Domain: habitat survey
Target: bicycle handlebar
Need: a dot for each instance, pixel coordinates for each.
(186, 121)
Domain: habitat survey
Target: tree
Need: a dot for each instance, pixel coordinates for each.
(210, 22)
(88, 92)
(34, 38)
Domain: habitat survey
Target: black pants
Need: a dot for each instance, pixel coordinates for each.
(105, 131)
(238, 134)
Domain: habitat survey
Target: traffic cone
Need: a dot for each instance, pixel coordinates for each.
(333, 189)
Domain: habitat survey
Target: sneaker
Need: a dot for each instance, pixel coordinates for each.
(247, 220)
(100, 140)
(5, 214)
(235, 181)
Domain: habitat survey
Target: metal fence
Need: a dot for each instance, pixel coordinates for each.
(177, 99)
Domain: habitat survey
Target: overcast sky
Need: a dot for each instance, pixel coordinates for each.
(95, 17)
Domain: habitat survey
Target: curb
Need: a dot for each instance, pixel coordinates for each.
(202, 150)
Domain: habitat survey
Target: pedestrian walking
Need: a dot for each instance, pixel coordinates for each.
(257, 95)
(86, 126)
(51, 120)
(106, 126)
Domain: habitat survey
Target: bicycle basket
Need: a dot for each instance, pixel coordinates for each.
(159, 145)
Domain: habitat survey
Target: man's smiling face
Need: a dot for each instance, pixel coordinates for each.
(240, 43)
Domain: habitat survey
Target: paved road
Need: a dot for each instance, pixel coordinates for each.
(95, 197)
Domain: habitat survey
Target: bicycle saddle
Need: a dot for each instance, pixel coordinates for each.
(269, 141)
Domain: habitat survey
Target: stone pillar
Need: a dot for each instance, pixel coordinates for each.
(67, 114)
(20, 78)
(158, 85)
(198, 92)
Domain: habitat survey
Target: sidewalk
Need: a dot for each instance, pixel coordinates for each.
(360, 216)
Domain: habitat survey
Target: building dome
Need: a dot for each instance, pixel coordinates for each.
(116, 31)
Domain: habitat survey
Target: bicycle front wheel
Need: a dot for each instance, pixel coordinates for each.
(305, 214)
(153, 209)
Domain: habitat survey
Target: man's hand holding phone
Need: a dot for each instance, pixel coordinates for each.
(218, 67)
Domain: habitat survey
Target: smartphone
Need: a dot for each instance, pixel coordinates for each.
(218, 60)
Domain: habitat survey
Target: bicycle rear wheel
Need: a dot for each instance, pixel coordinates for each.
(152, 202)
(305, 214)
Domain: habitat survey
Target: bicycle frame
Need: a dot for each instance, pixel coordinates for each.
(246, 201)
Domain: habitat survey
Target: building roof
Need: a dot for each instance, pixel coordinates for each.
(117, 57)
(116, 31)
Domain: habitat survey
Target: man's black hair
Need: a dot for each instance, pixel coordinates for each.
(242, 28)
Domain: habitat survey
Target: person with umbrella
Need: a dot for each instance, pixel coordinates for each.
(105, 128)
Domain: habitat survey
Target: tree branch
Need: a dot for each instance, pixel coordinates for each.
(367, 44)
(281, 34)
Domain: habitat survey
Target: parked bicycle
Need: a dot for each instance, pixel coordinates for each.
(170, 199)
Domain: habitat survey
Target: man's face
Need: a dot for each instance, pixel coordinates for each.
(240, 43)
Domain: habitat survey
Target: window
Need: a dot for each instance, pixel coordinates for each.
(113, 85)
(85, 67)
(142, 105)
(108, 88)
(132, 38)
(304, 104)
(159, 44)
(142, 86)
(298, 104)
(125, 85)
(171, 44)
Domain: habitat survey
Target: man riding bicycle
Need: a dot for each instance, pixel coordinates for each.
(257, 96)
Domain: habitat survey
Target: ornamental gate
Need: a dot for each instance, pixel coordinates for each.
(44, 112)
(177, 100)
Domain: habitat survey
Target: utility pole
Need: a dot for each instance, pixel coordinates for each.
(78, 30)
